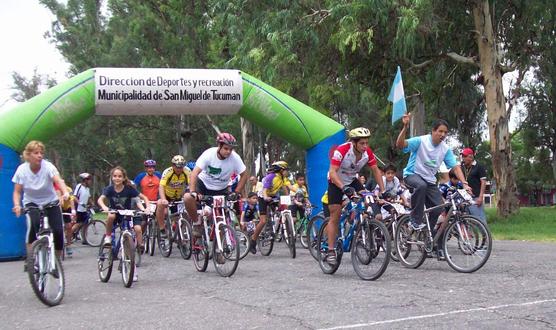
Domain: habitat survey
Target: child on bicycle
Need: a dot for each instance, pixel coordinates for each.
(120, 195)
(249, 212)
(299, 195)
(68, 206)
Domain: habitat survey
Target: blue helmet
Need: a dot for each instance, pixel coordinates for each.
(191, 164)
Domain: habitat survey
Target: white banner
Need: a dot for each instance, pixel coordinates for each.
(121, 91)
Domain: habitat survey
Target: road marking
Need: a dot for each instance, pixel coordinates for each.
(461, 311)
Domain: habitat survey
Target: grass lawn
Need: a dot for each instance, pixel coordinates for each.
(531, 224)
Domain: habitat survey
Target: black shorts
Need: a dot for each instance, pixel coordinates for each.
(67, 218)
(83, 217)
(54, 214)
(203, 190)
(295, 209)
(136, 220)
(263, 206)
(335, 194)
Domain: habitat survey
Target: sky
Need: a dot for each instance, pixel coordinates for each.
(23, 24)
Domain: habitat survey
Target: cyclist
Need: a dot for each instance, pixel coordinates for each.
(211, 175)
(427, 153)
(149, 180)
(300, 195)
(83, 200)
(249, 212)
(346, 162)
(68, 206)
(273, 182)
(173, 185)
(35, 179)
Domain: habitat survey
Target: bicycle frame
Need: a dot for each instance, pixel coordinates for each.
(220, 214)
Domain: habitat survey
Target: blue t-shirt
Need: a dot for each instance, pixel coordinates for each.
(425, 158)
(122, 199)
(250, 211)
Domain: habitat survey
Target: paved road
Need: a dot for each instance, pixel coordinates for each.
(515, 289)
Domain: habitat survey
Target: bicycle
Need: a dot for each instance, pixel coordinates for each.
(302, 224)
(149, 233)
(276, 220)
(467, 242)
(358, 231)
(93, 230)
(242, 235)
(179, 232)
(391, 215)
(225, 244)
(44, 267)
(123, 249)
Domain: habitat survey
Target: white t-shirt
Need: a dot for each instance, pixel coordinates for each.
(216, 172)
(83, 194)
(38, 187)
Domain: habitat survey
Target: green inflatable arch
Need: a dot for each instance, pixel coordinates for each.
(73, 101)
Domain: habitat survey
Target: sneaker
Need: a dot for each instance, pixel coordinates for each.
(252, 246)
(140, 249)
(107, 240)
(220, 259)
(135, 278)
(54, 273)
(440, 255)
(69, 251)
(415, 226)
(331, 258)
(197, 230)
(163, 234)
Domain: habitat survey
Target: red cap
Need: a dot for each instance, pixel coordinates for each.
(467, 151)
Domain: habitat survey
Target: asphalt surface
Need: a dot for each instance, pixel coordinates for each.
(516, 289)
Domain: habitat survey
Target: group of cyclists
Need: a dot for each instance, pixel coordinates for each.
(210, 175)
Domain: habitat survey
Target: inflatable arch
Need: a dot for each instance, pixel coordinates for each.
(117, 91)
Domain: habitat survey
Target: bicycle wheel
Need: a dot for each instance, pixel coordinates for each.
(313, 234)
(467, 244)
(226, 260)
(48, 284)
(153, 234)
(200, 253)
(184, 242)
(410, 246)
(146, 238)
(371, 250)
(165, 245)
(322, 244)
(289, 236)
(104, 263)
(93, 232)
(244, 243)
(392, 224)
(127, 259)
(303, 234)
(265, 241)
(279, 230)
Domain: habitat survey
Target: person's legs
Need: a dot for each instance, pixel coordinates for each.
(418, 197)
(479, 212)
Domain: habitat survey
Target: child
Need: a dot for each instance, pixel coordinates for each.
(299, 196)
(249, 213)
(120, 196)
(446, 190)
(392, 188)
(68, 206)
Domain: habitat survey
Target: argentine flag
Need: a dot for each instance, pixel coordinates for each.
(397, 97)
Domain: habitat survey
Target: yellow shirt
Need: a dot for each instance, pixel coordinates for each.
(174, 184)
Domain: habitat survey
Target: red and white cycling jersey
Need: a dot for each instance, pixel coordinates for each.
(344, 158)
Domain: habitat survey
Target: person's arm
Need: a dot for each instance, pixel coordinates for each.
(334, 177)
(378, 177)
(461, 178)
(141, 206)
(193, 180)
(100, 202)
(243, 176)
(401, 141)
(161, 192)
(18, 188)
(62, 185)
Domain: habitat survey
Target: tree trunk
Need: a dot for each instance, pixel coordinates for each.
(248, 145)
(554, 165)
(417, 127)
(184, 137)
(500, 144)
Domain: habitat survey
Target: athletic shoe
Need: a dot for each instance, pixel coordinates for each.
(331, 258)
(416, 226)
(69, 251)
(107, 240)
(252, 246)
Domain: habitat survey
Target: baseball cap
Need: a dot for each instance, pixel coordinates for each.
(467, 151)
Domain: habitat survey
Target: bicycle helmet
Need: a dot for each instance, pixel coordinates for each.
(85, 175)
(278, 166)
(359, 133)
(191, 164)
(226, 138)
(178, 161)
(149, 163)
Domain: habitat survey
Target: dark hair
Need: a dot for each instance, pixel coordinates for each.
(251, 194)
(299, 175)
(438, 123)
(390, 167)
(452, 174)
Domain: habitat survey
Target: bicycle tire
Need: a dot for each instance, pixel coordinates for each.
(322, 244)
(127, 259)
(105, 261)
(146, 239)
(289, 236)
(313, 234)
(226, 261)
(165, 249)
(303, 235)
(371, 238)
(265, 242)
(42, 278)
(138, 257)
(476, 245)
(244, 243)
(392, 231)
(409, 245)
(93, 232)
(200, 253)
(153, 234)
(184, 242)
